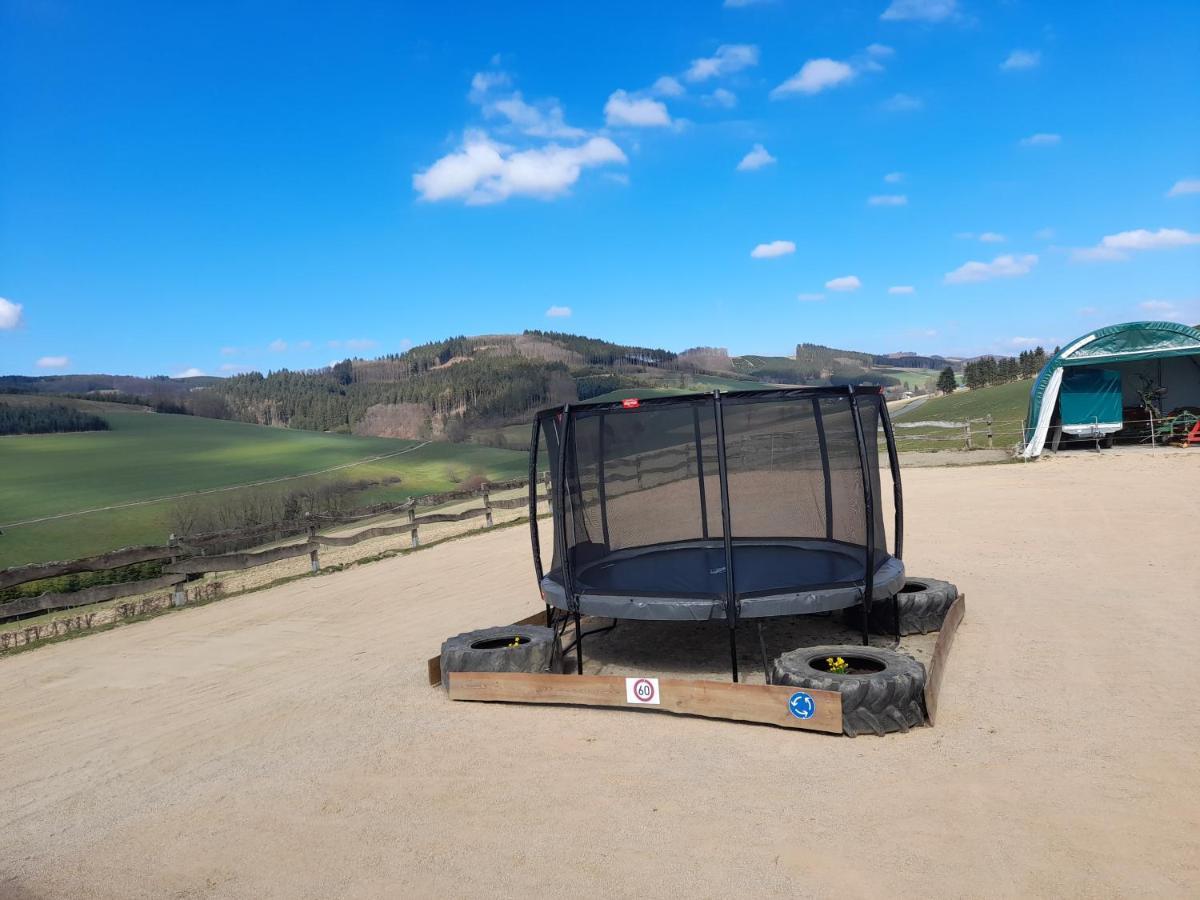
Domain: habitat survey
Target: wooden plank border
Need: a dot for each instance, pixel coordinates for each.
(762, 703)
(941, 650)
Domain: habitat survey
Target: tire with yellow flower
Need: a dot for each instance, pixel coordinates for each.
(511, 648)
(882, 690)
(922, 603)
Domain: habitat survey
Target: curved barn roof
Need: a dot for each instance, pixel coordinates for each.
(1112, 344)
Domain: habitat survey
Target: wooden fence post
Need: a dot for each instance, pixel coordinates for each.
(487, 505)
(314, 558)
(968, 427)
(412, 520)
(989, 425)
(546, 484)
(638, 461)
(178, 594)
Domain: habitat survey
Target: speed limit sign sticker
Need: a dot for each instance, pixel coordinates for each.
(642, 691)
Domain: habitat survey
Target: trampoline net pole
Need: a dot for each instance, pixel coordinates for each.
(564, 439)
(727, 531)
(869, 515)
(889, 435)
(534, 537)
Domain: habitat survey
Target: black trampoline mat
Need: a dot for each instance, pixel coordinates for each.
(698, 569)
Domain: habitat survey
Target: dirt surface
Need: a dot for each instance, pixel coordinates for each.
(286, 744)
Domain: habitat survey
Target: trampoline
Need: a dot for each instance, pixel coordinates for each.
(723, 506)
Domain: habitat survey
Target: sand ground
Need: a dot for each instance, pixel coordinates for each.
(286, 744)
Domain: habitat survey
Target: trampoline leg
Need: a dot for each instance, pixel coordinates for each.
(762, 646)
(578, 645)
(549, 616)
(733, 652)
(866, 624)
(896, 614)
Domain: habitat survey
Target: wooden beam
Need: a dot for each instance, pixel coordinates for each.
(764, 703)
(233, 562)
(358, 537)
(97, 594)
(941, 650)
(116, 559)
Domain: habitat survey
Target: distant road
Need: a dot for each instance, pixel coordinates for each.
(232, 487)
(912, 404)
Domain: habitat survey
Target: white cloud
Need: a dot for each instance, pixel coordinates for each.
(728, 59)
(920, 10)
(894, 177)
(815, 76)
(406, 343)
(902, 289)
(304, 345)
(1007, 266)
(1041, 139)
(903, 103)
(192, 372)
(229, 351)
(773, 249)
(880, 51)
(755, 159)
(1026, 341)
(1184, 186)
(722, 97)
(1088, 311)
(10, 314)
(666, 86)
(353, 344)
(737, 4)
(809, 298)
(844, 283)
(559, 312)
(545, 120)
(623, 109)
(1156, 305)
(483, 83)
(888, 200)
(991, 237)
(1119, 246)
(277, 346)
(1044, 234)
(53, 362)
(1022, 59)
(484, 171)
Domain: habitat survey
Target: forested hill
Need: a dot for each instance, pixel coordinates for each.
(450, 388)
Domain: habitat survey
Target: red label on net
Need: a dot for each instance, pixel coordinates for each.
(631, 403)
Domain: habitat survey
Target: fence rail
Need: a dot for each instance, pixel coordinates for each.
(183, 566)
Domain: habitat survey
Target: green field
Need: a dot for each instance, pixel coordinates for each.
(911, 378)
(148, 456)
(1005, 403)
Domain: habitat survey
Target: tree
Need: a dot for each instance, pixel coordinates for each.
(343, 372)
(946, 381)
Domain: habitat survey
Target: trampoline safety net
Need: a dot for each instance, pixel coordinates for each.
(637, 499)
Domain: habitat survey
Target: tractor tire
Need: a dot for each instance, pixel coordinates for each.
(880, 702)
(923, 604)
(490, 650)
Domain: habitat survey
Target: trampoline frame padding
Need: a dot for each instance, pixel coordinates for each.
(824, 479)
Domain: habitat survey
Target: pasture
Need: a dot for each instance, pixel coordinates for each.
(1005, 403)
(147, 456)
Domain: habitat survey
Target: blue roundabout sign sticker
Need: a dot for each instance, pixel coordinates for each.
(801, 705)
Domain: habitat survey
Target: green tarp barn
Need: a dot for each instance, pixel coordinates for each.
(1165, 352)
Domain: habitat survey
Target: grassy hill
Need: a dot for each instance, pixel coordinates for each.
(148, 455)
(1005, 403)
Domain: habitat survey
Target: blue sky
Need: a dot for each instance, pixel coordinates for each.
(272, 184)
